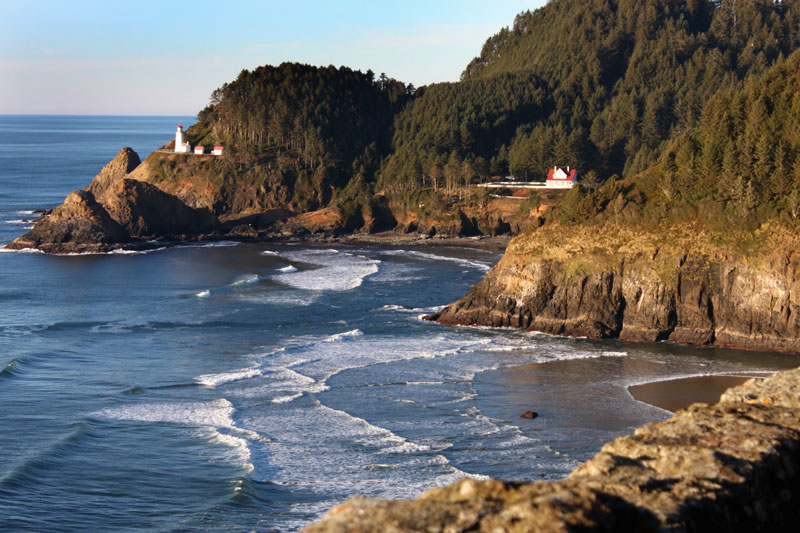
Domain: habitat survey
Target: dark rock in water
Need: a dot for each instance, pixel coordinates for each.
(529, 415)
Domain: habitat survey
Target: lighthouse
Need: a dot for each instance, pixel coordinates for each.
(181, 144)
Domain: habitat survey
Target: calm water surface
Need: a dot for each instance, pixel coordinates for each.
(231, 387)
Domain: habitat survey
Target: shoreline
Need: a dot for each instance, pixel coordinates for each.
(674, 394)
(492, 244)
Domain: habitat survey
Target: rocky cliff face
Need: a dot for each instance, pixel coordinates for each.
(115, 211)
(733, 466)
(603, 282)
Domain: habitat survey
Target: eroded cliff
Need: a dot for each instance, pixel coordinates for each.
(605, 281)
(115, 211)
(732, 466)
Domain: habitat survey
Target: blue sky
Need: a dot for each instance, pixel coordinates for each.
(165, 58)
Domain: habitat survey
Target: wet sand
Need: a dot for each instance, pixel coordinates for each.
(676, 394)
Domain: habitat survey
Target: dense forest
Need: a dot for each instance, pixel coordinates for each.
(608, 83)
(315, 129)
(606, 86)
(739, 168)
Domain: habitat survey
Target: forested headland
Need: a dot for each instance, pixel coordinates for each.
(671, 110)
(605, 86)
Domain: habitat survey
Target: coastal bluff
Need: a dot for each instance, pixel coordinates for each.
(113, 212)
(732, 466)
(617, 281)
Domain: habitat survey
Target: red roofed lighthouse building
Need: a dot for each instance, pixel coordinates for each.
(558, 179)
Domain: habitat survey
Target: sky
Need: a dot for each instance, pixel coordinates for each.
(109, 57)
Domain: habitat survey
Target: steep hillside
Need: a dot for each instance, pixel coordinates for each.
(601, 85)
(702, 248)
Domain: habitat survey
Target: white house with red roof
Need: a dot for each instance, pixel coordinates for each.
(217, 150)
(557, 178)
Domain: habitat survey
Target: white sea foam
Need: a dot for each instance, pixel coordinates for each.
(287, 398)
(269, 252)
(203, 294)
(336, 272)
(239, 447)
(214, 380)
(247, 279)
(287, 269)
(21, 251)
(23, 221)
(345, 335)
(216, 413)
(216, 244)
(24, 212)
(435, 257)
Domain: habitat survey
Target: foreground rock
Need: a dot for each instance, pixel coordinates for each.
(614, 281)
(733, 466)
(115, 212)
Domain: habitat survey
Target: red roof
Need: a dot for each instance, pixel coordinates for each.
(218, 148)
(552, 171)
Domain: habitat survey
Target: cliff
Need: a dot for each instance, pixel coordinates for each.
(679, 284)
(732, 466)
(114, 211)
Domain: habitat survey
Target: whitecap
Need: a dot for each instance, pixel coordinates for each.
(214, 380)
(217, 244)
(343, 336)
(435, 257)
(336, 271)
(21, 250)
(286, 399)
(245, 280)
(288, 269)
(204, 294)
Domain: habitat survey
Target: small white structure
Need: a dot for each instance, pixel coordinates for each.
(558, 179)
(182, 146)
(217, 150)
(199, 149)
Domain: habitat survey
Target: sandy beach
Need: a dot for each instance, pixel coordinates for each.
(676, 394)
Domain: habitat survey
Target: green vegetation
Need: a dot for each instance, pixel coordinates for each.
(737, 169)
(595, 84)
(610, 87)
(310, 129)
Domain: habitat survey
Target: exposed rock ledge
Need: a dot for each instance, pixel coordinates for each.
(115, 211)
(679, 285)
(732, 466)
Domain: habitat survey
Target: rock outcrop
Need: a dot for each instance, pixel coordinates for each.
(604, 282)
(733, 466)
(115, 212)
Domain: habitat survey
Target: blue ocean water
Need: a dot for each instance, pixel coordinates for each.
(229, 387)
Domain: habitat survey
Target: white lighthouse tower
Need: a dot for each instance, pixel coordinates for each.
(181, 144)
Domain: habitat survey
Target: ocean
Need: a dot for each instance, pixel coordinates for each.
(231, 387)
